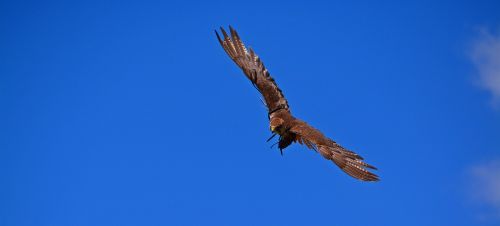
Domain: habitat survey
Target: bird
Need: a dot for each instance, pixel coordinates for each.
(281, 121)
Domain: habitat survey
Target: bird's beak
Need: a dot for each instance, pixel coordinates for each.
(272, 128)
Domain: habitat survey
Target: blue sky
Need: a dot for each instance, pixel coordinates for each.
(130, 113)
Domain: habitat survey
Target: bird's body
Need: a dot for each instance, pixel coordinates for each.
(282, 122)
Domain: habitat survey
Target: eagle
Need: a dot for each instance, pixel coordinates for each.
(281, 120)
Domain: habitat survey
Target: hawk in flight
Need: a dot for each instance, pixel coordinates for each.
(289, 128)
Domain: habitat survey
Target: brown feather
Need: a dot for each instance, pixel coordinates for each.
(254, 69)
(348, 161)
(292, 130)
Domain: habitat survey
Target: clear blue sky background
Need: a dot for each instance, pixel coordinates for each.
(130, 113)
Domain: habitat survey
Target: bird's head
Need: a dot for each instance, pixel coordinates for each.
(276, 124)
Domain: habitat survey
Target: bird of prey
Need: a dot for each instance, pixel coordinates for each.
(289, 128)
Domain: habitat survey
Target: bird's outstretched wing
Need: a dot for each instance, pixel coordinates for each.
(348, 161)
(254, 69)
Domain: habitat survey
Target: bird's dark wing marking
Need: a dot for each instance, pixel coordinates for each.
(348, 161)
(254, 69)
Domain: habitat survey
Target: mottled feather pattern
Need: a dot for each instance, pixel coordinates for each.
(291, 130)
(254, 69)
(348, 161)
(353, 167)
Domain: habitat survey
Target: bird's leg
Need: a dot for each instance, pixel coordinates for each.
(281, 150)
(274, 134)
